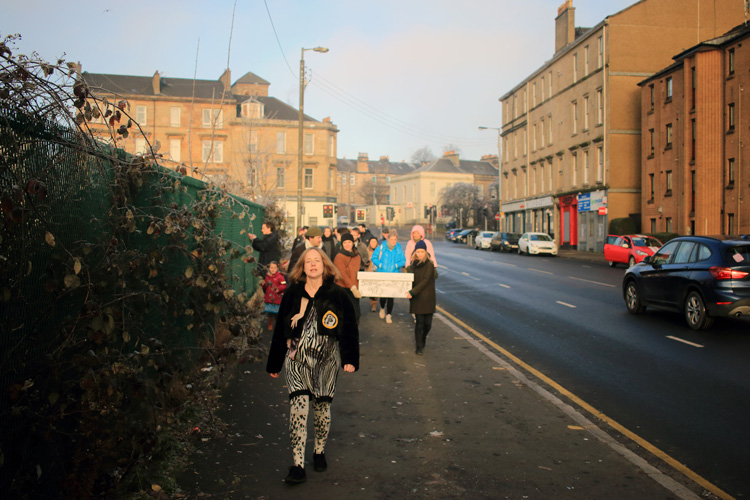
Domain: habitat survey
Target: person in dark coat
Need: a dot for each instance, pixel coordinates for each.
(364, 234)
(330, 243)
(267, 246)
(313, 238)
(301, 231)
(316, 333)
(422, 300)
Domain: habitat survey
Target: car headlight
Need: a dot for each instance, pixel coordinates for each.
(641, 252)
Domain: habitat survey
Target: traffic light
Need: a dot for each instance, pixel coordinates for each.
(390, 213)
(426, 211)
(327, 211)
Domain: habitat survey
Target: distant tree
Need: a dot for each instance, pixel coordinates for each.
(460, 199)
(422, 155)
(377, 189)
(451, 147)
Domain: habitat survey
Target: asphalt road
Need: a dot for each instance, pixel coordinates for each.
(687, 393)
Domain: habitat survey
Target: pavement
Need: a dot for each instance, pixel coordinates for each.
(461, 421)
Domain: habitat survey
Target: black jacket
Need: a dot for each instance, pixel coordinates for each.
(268, 247)
(329, 298)
(423, 299)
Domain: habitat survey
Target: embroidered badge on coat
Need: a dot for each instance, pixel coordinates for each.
(330, 320)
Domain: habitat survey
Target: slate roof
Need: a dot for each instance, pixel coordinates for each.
(141, 85)
(252, 78)
(376, 167)
(444, 165)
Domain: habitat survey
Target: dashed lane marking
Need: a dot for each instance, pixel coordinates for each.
(539, 270)
(591, 281)
(504, 286)
(678, 489)
(566, 304)
(470, 276)
(678, 339)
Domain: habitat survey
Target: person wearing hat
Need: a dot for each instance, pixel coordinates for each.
(422, 299)
(313, 238)
(347, 261)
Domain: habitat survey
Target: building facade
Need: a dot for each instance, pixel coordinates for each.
(232, 133)
(571, 131)
(695, 170)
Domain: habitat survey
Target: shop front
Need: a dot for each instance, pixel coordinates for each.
(568, 207)
(540, 215)
(513, 216)
(592, 221)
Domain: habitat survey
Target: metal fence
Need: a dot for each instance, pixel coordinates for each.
(56, 193)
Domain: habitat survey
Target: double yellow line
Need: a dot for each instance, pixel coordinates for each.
(675, 464)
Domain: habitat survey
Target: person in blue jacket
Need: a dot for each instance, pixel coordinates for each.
(388, 258)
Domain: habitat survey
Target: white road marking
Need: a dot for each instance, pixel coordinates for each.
(590, 281)
(566, 304)
(539, 271)
(685, 341)
(470, 276)
(504, 286)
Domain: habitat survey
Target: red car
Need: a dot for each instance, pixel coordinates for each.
(629, 249)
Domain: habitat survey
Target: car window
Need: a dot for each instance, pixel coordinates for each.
(639, 242)
(611, 240)
(665, 253)
(544, 237)
(682, 256)
(738, 255)
(702, 253)
(618, 242)
(652, 242)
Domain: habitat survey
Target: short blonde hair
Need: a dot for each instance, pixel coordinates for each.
(392, 233)
(297, 274)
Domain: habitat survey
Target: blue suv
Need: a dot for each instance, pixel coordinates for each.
(701, 276)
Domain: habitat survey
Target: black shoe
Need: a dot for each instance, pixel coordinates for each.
(319, 462)
(296, 475)
(418, 352)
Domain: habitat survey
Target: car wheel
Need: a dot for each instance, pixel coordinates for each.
(631, 261)
(612, 263)
(695, 312)
(633, 299)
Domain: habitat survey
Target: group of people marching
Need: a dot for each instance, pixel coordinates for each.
(314, 313)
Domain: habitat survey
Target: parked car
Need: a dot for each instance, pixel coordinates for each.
(700, 276)
(505, 242)
(629, 249)
(483, 239)
(462, 236)
(536, 243)
(451, 233)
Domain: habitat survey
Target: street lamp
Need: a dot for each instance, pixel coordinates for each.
(301, 128)
(500, 171)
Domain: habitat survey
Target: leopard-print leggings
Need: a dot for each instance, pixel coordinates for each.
(300, 407)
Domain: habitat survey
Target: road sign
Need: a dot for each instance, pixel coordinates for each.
(497, 216)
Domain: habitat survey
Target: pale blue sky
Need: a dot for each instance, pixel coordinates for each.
(400, 74)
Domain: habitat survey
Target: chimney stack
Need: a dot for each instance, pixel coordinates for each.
(226, 80)
(156, 83)
(565, 26)
(363, 164)
(452, 156)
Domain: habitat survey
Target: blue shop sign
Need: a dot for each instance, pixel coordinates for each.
(584, 202)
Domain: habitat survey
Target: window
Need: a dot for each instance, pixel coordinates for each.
(682, 256)
(140, 115)
(218, 116)
(574, 111)
(586, 61)
(585, 167)
(213, 155)
(730, 223)
(599, 107)
(309, 144)
(668, 221)
(343, 179)
(664, 255)
(651, 184)
(669, 136)
(692, 140)
(669, 183)
(281, 142)
(252, 109)
(525, 102)
(533, 95)
(586, 113)
(533, 181)
(730, 62)
(549, 84)
(533, 139)
(140, 146)
(692, 191)
(599, 164)
(542, 134)
(541, 178)
(575, 68)
(651, 136)
(175, 148)
(669, 88)
(550, 130)
(730, 118)
(543, 89)
(574, 169)
(331, 147)
(253, 145)
(653, 226)
(351, 179)
(693, 86)
(174, 116)
(331, 175)
(651, 90)
(280, 177)
(730, 172)
(308, 178)
(600, 57)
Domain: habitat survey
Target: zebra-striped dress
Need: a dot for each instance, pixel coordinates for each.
(313, 367)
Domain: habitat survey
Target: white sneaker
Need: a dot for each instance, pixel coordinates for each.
(388, 319)
(382, 313)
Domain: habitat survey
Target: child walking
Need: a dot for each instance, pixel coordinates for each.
(422, 295)
(273, 286)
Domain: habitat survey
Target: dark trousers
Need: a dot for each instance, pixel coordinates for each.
(421, 329)
(387, 304)
(355, 303)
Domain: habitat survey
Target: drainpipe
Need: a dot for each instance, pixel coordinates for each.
(739, 165)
